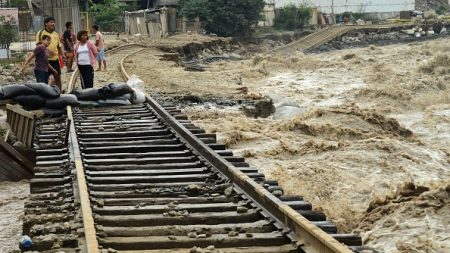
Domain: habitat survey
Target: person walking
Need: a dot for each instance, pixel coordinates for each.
(41, 65)
(100, 44)
(54, 48)
(86, 59)
(69, 40)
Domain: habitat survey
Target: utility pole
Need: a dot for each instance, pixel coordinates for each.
(332, 7)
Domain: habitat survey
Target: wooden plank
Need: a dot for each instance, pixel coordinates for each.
(146, 179)
(144, 166)
(288, 248)
(159, 209)
(192, 219)
(261, 226)
(157, 160)
(118, 173)
(21, 123)
(19, 110)
(15, 171)
(22, 160)
(223, 240)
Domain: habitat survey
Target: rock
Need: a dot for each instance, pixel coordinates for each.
(277, 193)
(233, 234)
(211, 247)
(193, 188)
(201, 236)
(228, 191)
(193, 249)
(111, 250)
(348, 56)
(192, 235)
(262, 108)
(241, 209)
(417, 35)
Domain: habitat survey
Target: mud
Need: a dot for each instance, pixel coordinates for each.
(12, 198)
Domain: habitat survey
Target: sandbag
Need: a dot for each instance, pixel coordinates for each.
(138, 97)
(88, 103)
(114, 90)
(87, 94)
(53, 112)
(62, 101)
(30, 101)
(14, 90)
(45, 90)
(120, 100)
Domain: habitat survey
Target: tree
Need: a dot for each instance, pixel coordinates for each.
(8, 32)
(193, 8)
(225, 17)
(107, 14)
(293, 17)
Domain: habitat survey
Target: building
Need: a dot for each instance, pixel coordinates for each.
(340, 6)
(61, 10)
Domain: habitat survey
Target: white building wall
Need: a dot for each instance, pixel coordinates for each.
(353, 5)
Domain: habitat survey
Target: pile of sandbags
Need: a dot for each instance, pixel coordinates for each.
(34, 96)
(111, 94)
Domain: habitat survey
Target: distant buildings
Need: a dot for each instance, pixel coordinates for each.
(340, 6)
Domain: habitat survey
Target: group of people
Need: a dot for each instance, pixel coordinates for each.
(49, 50)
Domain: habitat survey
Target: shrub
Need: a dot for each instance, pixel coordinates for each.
(293, 17)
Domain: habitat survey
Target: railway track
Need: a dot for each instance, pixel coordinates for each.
(143, 178)
(323, 36)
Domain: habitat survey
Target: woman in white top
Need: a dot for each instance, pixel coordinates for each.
(86, 59)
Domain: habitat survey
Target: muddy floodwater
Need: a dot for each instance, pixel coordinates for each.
(363, 134)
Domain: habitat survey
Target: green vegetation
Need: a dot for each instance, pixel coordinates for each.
(8, 32)
(108, 13)
(293, 16)
(443, 9)
(224, 17)
(193, 8)
(353, 15)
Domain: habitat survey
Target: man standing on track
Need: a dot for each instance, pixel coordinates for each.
(54, 48)
(100, 44)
